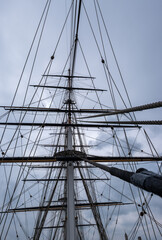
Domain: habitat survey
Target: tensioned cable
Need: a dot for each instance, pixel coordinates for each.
(26, 61)
(49, 64)
(98, 49)
(40, 224)
(95, 210)
(105, 57)
(122, 79)
(102, 58)
(135, 205)
(152, 146)
(16, 184)
(114, 54)
(134, 168)
(20, 177)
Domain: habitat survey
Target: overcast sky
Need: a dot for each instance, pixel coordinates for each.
(135, 28)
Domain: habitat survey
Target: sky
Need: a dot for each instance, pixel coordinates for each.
(134, 28)
(135, 31)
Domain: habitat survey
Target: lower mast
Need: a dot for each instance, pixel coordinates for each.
(70, 226)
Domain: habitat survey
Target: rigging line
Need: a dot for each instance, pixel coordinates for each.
(40, 224)
(54, 52)
(45, 190)
(90, 75)
(152, 226)
(76, 39)
(21, 226)
(58, 139)
(134, 169)
(110, 216)
(10, 202)
(152, 217)
(135, 206)
(35, 118)
(151, 144)
(92, 29)
(13, 215)
(33, 195)
(103, 105)
(99, 102)
(7, 190)
(108, 197)
(105, 57)
(36, 53)
(106, 141)
(22, 145)
(17, 126)
(5, 114)
(109, 82)
(79, 136)
(48, 66)
(16, 231)
(55, 232)
(55, 93)
(18, 195)
(128, 146)
(101, 55)
(121, 197)
(93, 82)
(139, 192)
(146, 202)
(148, 142)
(133, 145)
(114, 55)
(73, 26)
(116, 139)
(60, 78)
(123, 183)
(66, 9)
(158, 224)
(37, 128)
(135, 148)
(96, 165)
(117, 89)
(35, 115)
(94, 209)
(79, 215)
(26, 62)
(73, 19)
(135, 230)
(8, 180)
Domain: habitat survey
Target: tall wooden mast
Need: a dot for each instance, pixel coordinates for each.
(71, 225)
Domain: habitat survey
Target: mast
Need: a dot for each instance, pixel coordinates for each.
(71, 225)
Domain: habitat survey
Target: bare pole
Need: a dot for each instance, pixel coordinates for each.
(71, 226)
